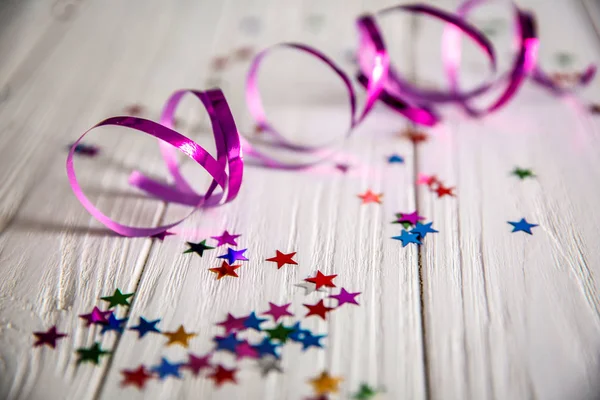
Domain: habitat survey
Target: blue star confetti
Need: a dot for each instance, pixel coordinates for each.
(146, 326)
(522, 226)
(407, 237)
(233, 255)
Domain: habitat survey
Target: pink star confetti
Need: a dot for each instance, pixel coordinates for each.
(226, 238)
(411, 218)
(345, 297)
(96, 317)
(245, 350)
(197, 364)
(232, 324)
(278, 311)
(161, 236)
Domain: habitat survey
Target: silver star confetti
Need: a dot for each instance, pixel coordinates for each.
(309, 287)
(268, 364)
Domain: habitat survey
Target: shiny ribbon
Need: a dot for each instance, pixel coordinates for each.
(381, 80)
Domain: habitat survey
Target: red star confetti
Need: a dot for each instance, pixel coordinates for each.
(226, 238)
(321, 280)
(370, 197)
(345, 297)
(96, 317)
(278, 311)
(318, 309)
(135, 377)
(281, 259)
(233, 324)
(197, 364)
(442, 191)
(225, 270)
(48, 338)
(221, 375)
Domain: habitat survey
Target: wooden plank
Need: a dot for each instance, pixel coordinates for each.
(315, 213)
(512, 315)
(57, 261)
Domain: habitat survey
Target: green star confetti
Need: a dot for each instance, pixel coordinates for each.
(117, 299)
(91, 354)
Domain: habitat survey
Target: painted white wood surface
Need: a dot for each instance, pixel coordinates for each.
(506, 316)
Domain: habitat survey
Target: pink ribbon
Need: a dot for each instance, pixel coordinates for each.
(381, 80)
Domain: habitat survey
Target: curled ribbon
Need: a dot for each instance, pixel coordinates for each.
(381, 80)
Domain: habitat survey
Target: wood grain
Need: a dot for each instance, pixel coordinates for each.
(475, 313)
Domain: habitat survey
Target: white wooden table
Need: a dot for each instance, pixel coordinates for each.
(477, 312)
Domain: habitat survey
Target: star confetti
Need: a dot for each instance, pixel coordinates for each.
(423, 229)
(228, 343)
(343, 168)
(197, 364)
(442, 191)
(114, 324)
(161, 236)
(85, 150)
(253, 322)
(395, 159)
(97, 316)
(370, 197)
(232, 324)
(321, 280)
(594, 108)
(281, 259)
(135, 377)
(365, 392)
(429, 180)
(309, 287)
(522, 173)
(145, 326)
(345, 297)
(280, 332)
(134, 110)
(325, 383)
(318, 309)
(234, 255)
(225, 270)
(91, 354)
(522, 226)
(268, 364)
(414, 136)
(117, 299)
(407, 237)
(309, 340)
(411, 218)
(166, 369)
(198, 248)
(244, 350)
(48, 338)
(222, 375)
(180, 336)
(226, 238)
(278, 311)
(267, 347)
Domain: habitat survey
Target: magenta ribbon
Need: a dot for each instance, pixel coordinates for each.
(381, 80)
(226, 170)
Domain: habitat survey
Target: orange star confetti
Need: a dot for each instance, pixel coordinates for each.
(225, 270)
(414, 135)
(370, 197)
(180, 336)
(325, 383)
